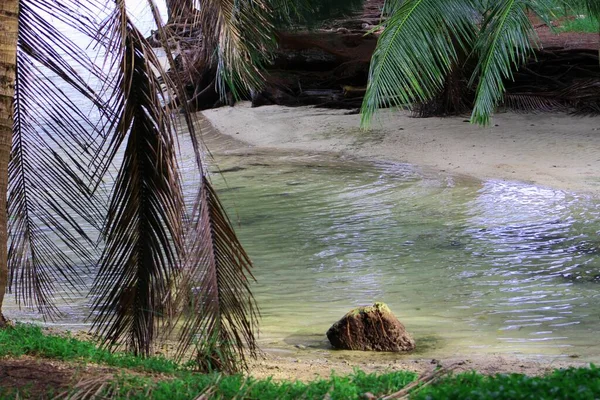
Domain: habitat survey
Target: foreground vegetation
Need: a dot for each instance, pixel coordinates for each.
(159, 378)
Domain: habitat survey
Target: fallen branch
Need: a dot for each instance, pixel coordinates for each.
(423, 381)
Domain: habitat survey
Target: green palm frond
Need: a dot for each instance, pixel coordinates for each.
(144, 230)
(506, 40)
(415, 52)
(53, 213)
(239, 35)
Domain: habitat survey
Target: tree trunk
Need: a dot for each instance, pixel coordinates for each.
(9, 24)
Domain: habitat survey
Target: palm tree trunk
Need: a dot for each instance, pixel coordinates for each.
(9, 24)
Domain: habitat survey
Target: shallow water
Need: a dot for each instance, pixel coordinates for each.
(469, 267)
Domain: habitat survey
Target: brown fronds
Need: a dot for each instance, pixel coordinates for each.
(144, 230)
(223, 319)
(51, 207)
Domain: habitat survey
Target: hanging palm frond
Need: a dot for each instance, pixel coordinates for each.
(53, 213)
(415, 52)
(239, 35)
(223, 317)
(144, 230)
(216, 275)
(506, 40)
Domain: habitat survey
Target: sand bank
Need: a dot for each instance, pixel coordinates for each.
(553, 150)
(305, 368)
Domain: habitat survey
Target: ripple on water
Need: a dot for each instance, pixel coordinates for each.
(468, 266)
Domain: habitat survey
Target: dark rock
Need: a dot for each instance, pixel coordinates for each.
(372, 328)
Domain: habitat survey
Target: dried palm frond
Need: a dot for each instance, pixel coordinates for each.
(216, 275)
(224, 313)
(583, 96)
(144, 230)
(53, 213)
(532, 102)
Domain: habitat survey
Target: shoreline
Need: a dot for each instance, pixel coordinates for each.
(310, 367)
(558, 151)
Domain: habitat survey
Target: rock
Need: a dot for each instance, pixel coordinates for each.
(373, 328)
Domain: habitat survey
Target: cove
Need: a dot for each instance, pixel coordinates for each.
(470, 267)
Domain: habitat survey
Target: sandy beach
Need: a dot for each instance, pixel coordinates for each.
(553, 150)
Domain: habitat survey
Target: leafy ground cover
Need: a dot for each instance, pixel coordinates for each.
(580, 24)
(37, 365)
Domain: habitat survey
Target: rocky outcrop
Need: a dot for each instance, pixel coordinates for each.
(373, 328)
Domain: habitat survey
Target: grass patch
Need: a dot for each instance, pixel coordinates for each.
(583, 24)
(189, 386)
(26, 339)
(572, 383)
(165, 379)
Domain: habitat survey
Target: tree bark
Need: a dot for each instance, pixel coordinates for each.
(9, 24)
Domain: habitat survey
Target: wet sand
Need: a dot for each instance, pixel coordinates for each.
(553, 150)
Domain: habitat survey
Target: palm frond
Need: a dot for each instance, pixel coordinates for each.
(524, 102)
(214, 279)
(415, 52)
(144, 229)
(224, 314)
(506, 40)
(239, 34)
(53, 214)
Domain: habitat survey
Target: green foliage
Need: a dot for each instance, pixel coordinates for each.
(415, 52)
(572, 383)
(424, 40)
(181, 383)
(502, 45)
(311, 12)
(25, 339)
(188, 385)
(586, 24)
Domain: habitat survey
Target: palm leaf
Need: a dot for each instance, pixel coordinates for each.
(144, 229)
(239, 35)
(224, 313)
(415, 52)
(505, 41)
(53, 214)
(215, 278)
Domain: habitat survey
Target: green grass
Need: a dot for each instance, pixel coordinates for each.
(587, 24)
(189, 386)
(165, 379)
(25, 339)
(573, 383)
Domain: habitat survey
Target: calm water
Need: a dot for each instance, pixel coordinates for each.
(469, 267)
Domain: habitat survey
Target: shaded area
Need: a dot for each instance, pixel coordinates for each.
(328, 67)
